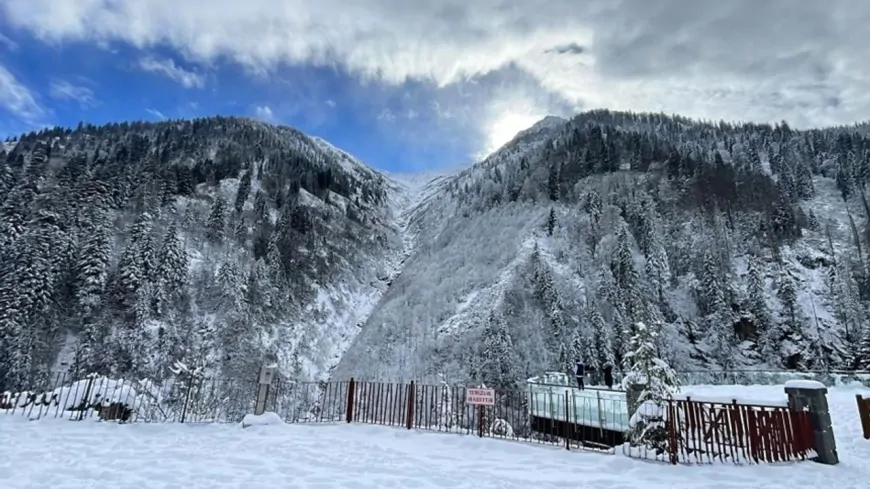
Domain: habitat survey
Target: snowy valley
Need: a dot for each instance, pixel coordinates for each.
(214, 242)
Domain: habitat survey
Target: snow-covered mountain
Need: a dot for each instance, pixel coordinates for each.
(736, 237)
(213, 242)
(128, 247)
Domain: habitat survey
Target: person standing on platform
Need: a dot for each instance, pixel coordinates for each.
(579, 373)
(608, 376)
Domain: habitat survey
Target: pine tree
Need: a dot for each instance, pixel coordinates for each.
(593, 205)
(860, 354)
(553, 183)
(792, 337)
(188, 220)
(601, 337)
(26, 289)
(217, 221)
(240, 230)
(497, 353)
(657, 383)
(93, 265)
(137, 259)
(260, 207)
(756, 294)
(172, 270)
(658, 271)
(626, 278)
(243, 191)
(551, 222)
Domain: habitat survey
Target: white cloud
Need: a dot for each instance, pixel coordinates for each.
(156, 113)
(169, 69)
(387, 115)
(64, 90)
(9, 43)
(18, 100)
(265, 113)
(763, 60)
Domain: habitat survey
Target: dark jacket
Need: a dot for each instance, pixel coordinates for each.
(579, 369)
(608, 375)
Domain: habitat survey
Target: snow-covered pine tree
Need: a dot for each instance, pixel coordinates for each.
(497, 353)
(755, 294)
(172, 270)
(551, 222)
(601, 337)
(794, 344)
(718, 318)
(860, 354)
(260, 207)
(133, 273)
(93, 264)
(627, 278)
(217, 220)
(243, 191)
(658, 271)
(446, 414)
(648, 373)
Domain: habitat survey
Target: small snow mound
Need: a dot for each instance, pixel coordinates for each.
(804, 384)
(266, 419)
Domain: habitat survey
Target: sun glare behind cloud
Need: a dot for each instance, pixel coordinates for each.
(504, 127)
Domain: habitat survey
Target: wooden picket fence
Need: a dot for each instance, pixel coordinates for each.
(703, 432)
(864, 414)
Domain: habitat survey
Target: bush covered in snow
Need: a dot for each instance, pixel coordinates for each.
(501, 427)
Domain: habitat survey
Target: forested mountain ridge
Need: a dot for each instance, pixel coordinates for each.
(748, 241)
(127, 247)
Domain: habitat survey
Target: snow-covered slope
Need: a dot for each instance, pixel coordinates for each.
(575, 229)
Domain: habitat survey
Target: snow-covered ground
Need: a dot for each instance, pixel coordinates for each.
(63, 454)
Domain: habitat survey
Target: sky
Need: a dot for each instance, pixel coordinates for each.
(409, 86)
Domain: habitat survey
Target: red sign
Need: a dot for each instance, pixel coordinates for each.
(480, 397)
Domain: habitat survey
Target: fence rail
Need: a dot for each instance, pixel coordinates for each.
(591, 419)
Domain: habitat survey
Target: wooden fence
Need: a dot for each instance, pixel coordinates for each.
(864, 415)
(700, 432)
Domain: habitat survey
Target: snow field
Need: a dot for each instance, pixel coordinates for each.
(62, 454)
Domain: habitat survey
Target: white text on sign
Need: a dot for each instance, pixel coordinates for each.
(480, 397)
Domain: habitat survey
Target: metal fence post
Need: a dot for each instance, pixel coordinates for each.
(567, 423)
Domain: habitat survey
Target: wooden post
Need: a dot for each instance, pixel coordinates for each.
(351, 388)
(864, 414)
(409, 421)
(480, 414)
(86, 400)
